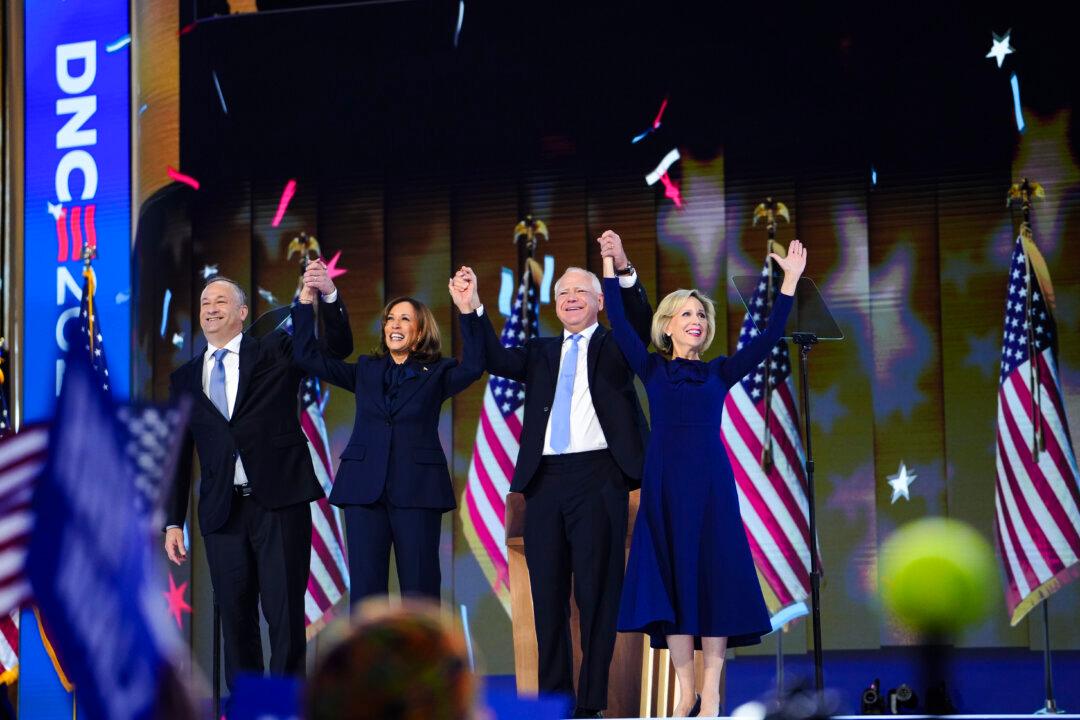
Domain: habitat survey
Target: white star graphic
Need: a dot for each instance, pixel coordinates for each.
(57, 211)
(1001, 47)
(901, 483)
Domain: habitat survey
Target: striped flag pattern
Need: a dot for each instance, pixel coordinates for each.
(22, 457)
(772, 502)
(1038, 484)
(74, 227)
(498, 436)
(328, 578)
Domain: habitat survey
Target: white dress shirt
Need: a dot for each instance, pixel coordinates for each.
(585, 431)
(232, 380)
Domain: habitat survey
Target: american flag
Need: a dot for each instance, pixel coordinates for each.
(498, 435)
(22, 457)
(773, 501)
(1038, 485)
(328, 577)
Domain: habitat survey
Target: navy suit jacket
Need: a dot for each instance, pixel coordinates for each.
(264, 428)
(611, 385)
(393, 449)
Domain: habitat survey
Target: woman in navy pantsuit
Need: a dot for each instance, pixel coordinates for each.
(393, 483)
(690, 573)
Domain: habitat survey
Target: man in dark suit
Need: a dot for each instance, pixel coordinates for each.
(257, 476)
(582, 449)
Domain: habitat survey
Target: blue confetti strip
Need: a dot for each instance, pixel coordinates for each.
(165, 310)
(220, 95)
(460, 20)
(1016, 103)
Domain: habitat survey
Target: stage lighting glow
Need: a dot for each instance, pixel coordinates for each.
(1017, 109)
(661, 169)
(901, 483)
(1001, 47)
(118, 44)
(283, 203)
(182, 178)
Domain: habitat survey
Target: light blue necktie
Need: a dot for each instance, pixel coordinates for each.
(564, 394)
(217, 383)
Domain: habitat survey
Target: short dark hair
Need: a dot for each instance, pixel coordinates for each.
(236, 286)
(428, 343)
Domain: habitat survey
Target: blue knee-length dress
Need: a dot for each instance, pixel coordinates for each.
(690, 571)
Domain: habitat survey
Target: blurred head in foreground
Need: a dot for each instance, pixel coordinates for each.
(405, 661)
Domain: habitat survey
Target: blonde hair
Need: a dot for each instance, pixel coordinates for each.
(667, 309)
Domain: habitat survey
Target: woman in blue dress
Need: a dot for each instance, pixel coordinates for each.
(690, 574)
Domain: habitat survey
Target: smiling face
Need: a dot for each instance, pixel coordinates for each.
(401, 329)
(688, 327)
(577, 301)
(221, 312)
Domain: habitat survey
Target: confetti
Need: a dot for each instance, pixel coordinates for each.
(178, 341)
(901, 483)
(1001, 48)
(187, 28)
(268, 296)
(165, 310)
(209, 271)
(1017, 109)
(283, 203)
(873, 176)
(465, 626)
(143, 108)
(789, 613)
(671, 190)
(118, 44)
(220, 95)
(332, 270)
(181, 177)
(460, 20)
(655, 125)
(123, 297)
(661, 169)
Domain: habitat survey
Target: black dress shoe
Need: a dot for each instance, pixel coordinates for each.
(587, 713)
(697, 707)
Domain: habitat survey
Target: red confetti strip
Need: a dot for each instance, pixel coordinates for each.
(182, 178)
(660, 114)
(332, 270)
(286, 196)
(671, 190)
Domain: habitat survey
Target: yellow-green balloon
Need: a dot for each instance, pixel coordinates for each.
(937, 575)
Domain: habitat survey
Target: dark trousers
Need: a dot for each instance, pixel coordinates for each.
(575, 524)
(261, 555)
(414, 532)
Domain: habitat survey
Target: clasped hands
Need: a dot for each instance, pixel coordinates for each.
(316, 282)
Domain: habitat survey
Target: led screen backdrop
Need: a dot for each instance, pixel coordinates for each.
(416, 146)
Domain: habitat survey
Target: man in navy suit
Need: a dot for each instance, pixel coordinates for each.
(582, 450)
(257, 476)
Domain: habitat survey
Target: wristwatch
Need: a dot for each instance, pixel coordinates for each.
(628, 270)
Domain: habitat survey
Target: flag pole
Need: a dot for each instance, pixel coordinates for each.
(1025, 193)
(771, 212)
(527, 234)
